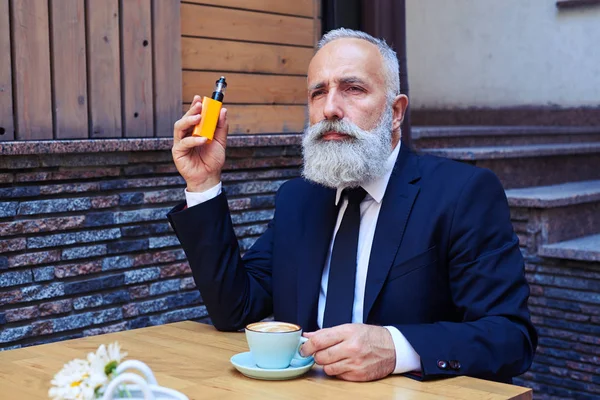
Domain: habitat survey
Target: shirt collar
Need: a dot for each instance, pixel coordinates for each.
(376, 188)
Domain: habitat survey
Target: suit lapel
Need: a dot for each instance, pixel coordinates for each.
(318, 221)
(396, 206)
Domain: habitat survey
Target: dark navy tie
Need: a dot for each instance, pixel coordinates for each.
(342, 268)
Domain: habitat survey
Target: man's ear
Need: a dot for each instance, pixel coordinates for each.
(399, 108)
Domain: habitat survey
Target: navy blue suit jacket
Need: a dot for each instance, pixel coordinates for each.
(445, 266)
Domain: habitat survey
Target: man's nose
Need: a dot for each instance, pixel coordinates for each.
(333, 106)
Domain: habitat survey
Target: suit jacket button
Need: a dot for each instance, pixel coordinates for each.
(442, 364)
(454, 365)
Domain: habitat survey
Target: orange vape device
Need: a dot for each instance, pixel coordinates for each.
(211, 108)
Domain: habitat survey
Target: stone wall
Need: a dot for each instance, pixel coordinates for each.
(565, 309)
(85, 247)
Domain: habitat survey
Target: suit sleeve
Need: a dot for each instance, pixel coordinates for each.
(495, 338)
(236, 291)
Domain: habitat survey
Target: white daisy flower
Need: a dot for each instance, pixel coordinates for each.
(72, 382)
(87, 379)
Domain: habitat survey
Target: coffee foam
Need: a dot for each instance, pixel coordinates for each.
(272, 326)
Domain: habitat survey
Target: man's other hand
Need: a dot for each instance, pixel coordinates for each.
(353, 352)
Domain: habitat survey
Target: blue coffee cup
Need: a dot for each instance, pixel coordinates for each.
(276, 345)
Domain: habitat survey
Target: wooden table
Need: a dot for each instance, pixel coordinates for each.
(194, 359)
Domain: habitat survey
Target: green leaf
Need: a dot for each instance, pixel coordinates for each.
(110, 367)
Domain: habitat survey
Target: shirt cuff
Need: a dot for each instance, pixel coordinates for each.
(407, 359)
(194, 198)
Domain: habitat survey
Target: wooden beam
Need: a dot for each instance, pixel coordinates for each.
(226, 23)
(247, 88)
(69, 75)
(104, 63)
(263, 118)
(137, 68)
(166, 33)
(222, 55)
(7, 126)
(32, 69)
(292, 7)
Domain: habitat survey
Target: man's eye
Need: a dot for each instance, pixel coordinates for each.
(355, 89)
(315, 94)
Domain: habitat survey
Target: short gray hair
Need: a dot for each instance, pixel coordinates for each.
(390, 61)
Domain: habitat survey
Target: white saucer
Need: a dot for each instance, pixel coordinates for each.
(244, 363)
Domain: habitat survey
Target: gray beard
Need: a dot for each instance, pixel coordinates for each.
(349, 162)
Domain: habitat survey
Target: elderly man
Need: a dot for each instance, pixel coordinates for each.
(392, 262)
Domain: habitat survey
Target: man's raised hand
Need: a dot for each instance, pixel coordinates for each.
(198, 160)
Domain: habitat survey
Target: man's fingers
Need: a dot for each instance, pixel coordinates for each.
(338, 368)
(222, 128)
(190, 142)
(353, 376)
(195, 107)
(182, 125)
(331, 355)
(323, 339)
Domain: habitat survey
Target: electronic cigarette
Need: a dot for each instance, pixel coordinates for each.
(211, 109)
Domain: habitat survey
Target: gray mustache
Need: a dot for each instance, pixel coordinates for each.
(340, 126)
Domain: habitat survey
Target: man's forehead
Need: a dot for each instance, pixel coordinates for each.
(346, 57)
(348, 46)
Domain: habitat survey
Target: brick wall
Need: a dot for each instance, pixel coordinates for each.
(565, 308)
(85, 247)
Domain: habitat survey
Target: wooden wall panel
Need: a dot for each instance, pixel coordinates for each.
(104, 64)
(245, 119)
(266, 119)
(120, 68)
(32, 69)
(293, 7)
(224, 55)
(167, 65)
(226, 23)
(263, 47)
(247, 88)
(69, 75)
(137, 68)
(7, 126)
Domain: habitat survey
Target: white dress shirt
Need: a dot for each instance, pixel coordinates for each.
(407, 358)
